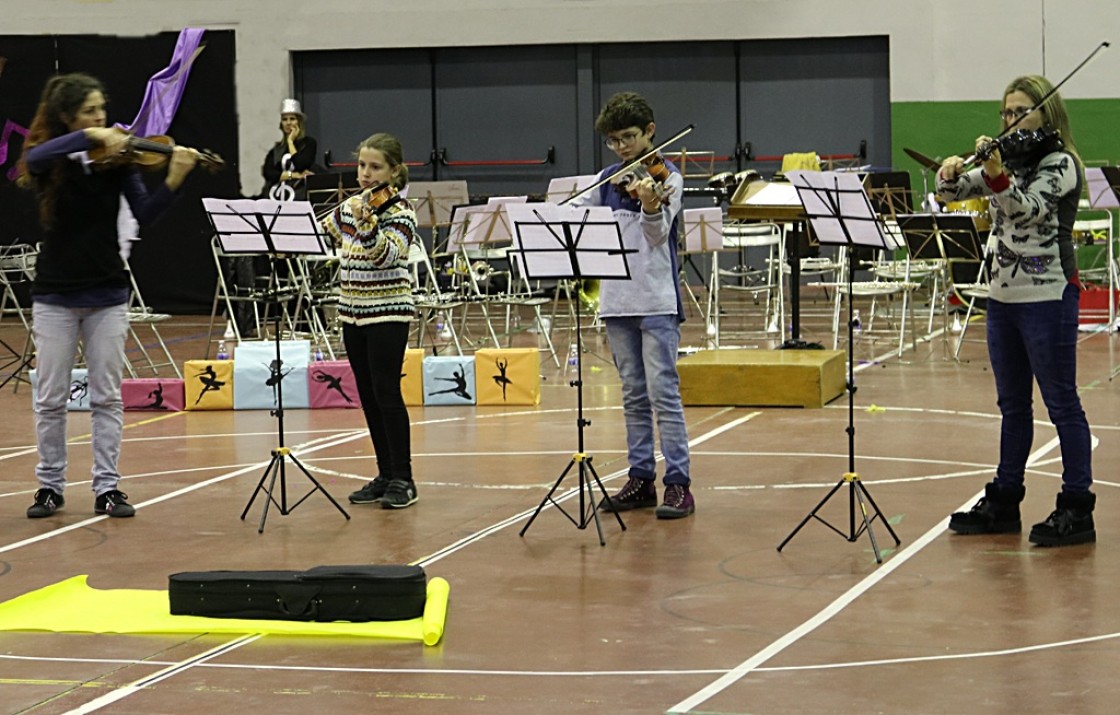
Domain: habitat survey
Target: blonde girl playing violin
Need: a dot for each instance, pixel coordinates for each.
(81, 288)
(375, 309)
(1033, 310)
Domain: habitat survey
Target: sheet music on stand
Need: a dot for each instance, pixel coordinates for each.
(327, 190)
(542, 251)
(435, 200)
(702, 229)
(564, 187)
(839, 210)
(1103, 183)
(265, 226)
(482, 227)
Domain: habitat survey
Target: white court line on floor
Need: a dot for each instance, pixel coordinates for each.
(668, 673)
(188, 663)
(826, 614)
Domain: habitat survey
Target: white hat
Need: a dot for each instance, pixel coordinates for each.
(291, 106)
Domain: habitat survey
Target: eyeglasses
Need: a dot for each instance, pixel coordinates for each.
(625, 139)
(1010, 115)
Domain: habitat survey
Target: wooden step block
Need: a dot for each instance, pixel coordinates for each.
(762, 378)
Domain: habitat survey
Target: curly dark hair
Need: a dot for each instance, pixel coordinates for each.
(624, 110)
(63, 96)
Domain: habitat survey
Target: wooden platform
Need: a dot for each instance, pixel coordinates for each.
(762, 378)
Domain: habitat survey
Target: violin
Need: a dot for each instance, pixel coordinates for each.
(1022, 148)
(382, 196)
(653, 167)
(148, 153)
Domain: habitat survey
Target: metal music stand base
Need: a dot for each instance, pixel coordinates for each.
(275, 469)
(588, 507)
(857, 495)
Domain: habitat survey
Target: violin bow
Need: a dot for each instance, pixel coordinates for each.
(1047, 96)
(631, 165)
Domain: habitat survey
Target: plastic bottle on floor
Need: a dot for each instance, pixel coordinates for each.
(223, 351)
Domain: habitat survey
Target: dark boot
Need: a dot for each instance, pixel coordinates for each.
(997, 512)
(1071, 523)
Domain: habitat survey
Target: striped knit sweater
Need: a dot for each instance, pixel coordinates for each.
(373, 273)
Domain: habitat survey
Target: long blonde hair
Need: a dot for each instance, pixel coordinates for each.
(1053, 112)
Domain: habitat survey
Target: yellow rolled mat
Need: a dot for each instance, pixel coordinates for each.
(72, 606)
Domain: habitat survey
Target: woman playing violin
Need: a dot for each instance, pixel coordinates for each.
(81, 288)
(1032, 313)
(643, 315)
(373, 232)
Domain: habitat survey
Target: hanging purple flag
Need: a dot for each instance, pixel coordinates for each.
(165, 88)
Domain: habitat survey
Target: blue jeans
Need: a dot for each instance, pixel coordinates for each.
(645, 353)
(1038, 341)
(102, 331)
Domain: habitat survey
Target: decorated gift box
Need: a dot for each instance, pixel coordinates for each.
(507, 376)
(79, 389)
(153, 393)
(330, 384)
(208, 384)
(449, 380)
(259, 382)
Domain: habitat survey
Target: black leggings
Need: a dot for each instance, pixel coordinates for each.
(376, 354)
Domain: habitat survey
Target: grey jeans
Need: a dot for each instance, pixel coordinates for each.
(102, 331)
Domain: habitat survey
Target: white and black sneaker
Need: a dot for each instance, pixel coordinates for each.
(47, 502)
(399, 494)
(372, 492)
(113, 503)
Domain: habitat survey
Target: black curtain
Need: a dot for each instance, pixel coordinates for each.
(172, 261)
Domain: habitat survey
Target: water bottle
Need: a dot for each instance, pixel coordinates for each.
(318, 355)
(223, 352)
(439, 326)
(856, 324)
(573, 356)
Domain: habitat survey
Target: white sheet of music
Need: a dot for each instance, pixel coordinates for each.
(775, 194)
(703, 229)
(838, 208)
(291, 225)
(562, 187)
(1101, 195)
(537, 229)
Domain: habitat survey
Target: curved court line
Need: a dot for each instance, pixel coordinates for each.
(839, 604)
(1018, 650)
(127, 690)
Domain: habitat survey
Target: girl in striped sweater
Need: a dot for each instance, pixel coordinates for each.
(375, 308)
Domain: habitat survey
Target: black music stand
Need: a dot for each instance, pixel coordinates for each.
(276, 228)
(566, 243)
(840, 213)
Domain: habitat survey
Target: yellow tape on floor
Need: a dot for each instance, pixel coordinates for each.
(72, 606)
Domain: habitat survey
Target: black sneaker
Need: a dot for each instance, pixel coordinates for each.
(47, 502)
(114, 503)
(399, 494)
(678, 502)
(371, 492)
(635, 494)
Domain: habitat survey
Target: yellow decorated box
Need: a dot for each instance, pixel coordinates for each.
(208, 384)
(508, 376)
(412, 377)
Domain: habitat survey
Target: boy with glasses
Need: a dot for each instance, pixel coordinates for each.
(643, 315)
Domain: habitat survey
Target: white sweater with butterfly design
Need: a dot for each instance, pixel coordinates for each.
(1031, 242)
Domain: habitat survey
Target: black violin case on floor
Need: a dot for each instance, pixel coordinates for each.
(324, 593)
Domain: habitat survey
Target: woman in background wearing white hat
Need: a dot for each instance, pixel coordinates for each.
(291, 158)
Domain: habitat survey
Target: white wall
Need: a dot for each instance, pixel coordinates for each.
(940, 49)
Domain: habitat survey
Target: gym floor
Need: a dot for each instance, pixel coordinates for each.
(698, 615)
